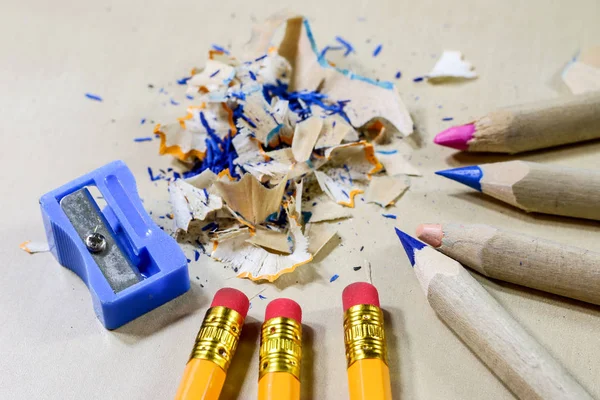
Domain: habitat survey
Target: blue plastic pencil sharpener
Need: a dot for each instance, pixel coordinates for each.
(128, 263)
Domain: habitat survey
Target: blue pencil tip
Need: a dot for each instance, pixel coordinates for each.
(410, 244)
(470, 176)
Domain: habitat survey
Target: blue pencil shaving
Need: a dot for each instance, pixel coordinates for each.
(189, 97)
(196, 255)
(238, 95)
(418, 79)
(93, 97)
(215, 73)
(387, 152)
(398, 75)
(182, 81)
(301, 102)
(345, 193)
(334, 278)
(306, 216)
(390, 216)
(349, 175)
(142, 139)
(349, 48)
(329, 48)
(377, 50)
(188, 260)
(174, 102)
(261, 58)
(210, 227)
(447, 119)
(219, 155)
(220, 48)
(142, 121)
(252, 76)
(200, 245)
(260, 296)
(152, 177)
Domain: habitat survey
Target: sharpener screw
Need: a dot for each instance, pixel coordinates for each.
(95, 242)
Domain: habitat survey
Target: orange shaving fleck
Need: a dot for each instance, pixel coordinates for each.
(372, 158)
(231, 123)
(23, 246)
(351, 196)
(272, 278)
(226, 172)
(212, 53)
(175, 150)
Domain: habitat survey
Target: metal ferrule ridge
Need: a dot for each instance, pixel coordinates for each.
(218, 336)
(280, 347)
(364, 336)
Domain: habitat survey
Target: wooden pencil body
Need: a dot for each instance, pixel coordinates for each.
(545, 189)
(524, 366)
(539, 125)
(525, 260)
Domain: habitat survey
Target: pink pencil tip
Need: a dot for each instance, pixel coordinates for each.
(431, 234)
(456, 137)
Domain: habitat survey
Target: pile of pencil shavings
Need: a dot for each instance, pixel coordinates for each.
(268, 126)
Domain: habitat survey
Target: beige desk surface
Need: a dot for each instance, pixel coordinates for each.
(52, 346)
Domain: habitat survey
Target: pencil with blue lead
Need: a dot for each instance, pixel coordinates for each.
(535, 187)
(512, 354)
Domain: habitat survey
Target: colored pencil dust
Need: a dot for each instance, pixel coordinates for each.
(527, 127)
(364, 339)
(280, 351)
(215, 346)
(515, 357)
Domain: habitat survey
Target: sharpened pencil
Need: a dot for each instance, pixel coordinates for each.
(516, 358)
(528, 127)
(535, 187)
(521, 259)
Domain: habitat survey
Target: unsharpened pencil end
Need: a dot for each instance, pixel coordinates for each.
(410, 244)
(359, 293)
(283, 307)
(470, 176)
(233, 299)
(431, 234)
(457, 137)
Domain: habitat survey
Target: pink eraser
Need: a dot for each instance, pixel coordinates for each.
(360, 293)
(233, 299)
(284, 308)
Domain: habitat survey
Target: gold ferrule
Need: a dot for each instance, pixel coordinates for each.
(218, 336)
(364, 335)
(280, 347)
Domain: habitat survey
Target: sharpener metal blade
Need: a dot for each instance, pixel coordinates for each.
(86, 217)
